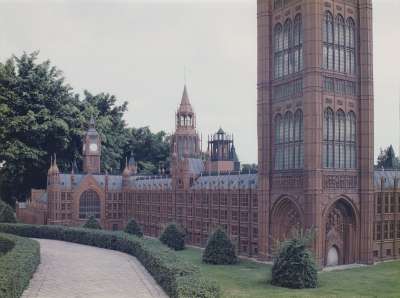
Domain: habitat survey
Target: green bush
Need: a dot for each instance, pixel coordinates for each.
(92, 223)
(6, 213)
(133, 228)
(219, 249)
(17, 265)
(177, 277)
(294, 266)
(173, 236)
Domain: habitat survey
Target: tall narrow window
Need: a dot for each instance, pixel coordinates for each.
(278, 142)
(297, 44)
(328, 41)
(278, 59)
(298, 140)
(352, 140)
(287, 120)
(328, 138)
(350, 45)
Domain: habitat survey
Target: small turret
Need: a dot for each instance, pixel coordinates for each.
(53, 174)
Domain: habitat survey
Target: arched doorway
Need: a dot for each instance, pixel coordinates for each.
(332, 258)
(285, 218)
(340, 234)
(89, 205)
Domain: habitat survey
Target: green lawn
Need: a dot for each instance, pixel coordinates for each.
(250, 279)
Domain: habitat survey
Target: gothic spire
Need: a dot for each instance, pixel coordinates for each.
(185, 106)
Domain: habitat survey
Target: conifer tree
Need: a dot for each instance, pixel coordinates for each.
(219, 249)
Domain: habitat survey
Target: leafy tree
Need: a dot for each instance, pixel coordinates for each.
(149, 149)
(133, 228)
(7, 213)
(173, 236)
(387, 159)
(219, 249)
(294, 266)
(92, 223)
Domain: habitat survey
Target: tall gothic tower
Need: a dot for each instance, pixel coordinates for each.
(185, 145)
(315, 125)
(185, 142)
(91, 150)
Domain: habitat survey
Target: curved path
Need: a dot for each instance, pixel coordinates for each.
(73, 270)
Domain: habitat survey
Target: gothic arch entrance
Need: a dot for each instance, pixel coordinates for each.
(285, 218)
(341, 244)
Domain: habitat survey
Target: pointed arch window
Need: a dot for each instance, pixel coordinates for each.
(89, 205)
(289, 148)
(338, 50)
(288, 52)
(339, 139)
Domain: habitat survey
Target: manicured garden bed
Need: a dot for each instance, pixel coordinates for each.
(19, 258)
(177, 277)
(249, 279)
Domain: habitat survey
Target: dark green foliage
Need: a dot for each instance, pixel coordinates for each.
(173, 236)
(17, 265)
(387, 159)
(177, 277)
(294, 266)
(133, 228)
(92, 223)
(40, 114)
(219, 249)
(7, 213)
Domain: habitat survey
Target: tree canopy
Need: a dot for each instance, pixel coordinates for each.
(387, 159)
(41, 115)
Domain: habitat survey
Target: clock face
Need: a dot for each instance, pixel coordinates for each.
(93, 147)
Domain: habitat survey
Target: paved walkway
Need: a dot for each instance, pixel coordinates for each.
(76, 271)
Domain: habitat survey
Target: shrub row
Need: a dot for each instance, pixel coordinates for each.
(19, 261)
(177, 277)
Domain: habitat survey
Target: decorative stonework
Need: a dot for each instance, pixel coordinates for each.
(287, 181)
(340, 182)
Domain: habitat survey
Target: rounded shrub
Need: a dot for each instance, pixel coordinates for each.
(133, 228)
(7, 213)
(173, 236)
(219, 250)
(294, 266)
(92, 223)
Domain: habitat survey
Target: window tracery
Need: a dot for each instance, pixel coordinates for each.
(288, 50)
(339, 136)
(289, 136)
(89, 205)
(338, 52)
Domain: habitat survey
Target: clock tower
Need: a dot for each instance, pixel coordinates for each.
(91, 150)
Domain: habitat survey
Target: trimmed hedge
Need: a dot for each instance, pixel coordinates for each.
(17, 265)
(177, 277)
(173, 236)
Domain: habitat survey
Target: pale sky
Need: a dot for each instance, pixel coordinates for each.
(138, 50)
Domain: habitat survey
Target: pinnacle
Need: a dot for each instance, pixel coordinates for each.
(185, 105)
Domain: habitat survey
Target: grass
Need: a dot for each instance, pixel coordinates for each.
(250, 279)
